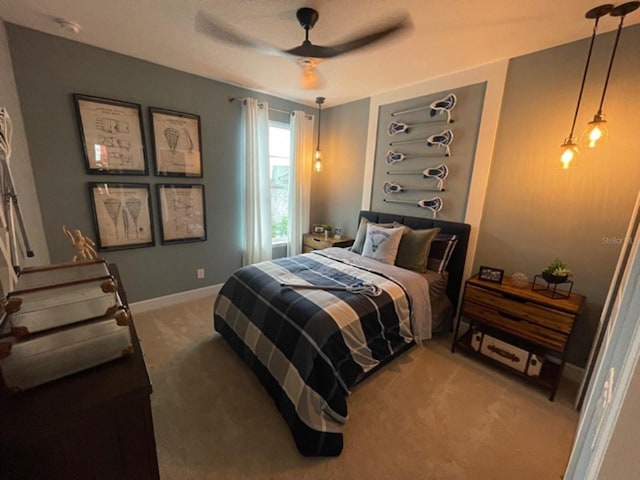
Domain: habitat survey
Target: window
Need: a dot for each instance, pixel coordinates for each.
(279, 160)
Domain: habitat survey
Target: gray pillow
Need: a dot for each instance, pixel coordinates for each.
(414, 248)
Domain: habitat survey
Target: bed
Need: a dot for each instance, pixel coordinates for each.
(310, 336)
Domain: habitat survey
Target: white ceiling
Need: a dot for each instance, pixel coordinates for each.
(447, 36)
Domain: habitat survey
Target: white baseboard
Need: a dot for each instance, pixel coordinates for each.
(174, 299)
(573, 372)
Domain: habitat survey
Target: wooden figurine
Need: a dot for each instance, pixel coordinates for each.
(84, 245)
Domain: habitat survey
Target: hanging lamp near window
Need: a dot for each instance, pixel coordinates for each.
(597, 133)
(317, 162)
(570, 145)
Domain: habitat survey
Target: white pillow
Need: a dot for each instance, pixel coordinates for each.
(382, 243)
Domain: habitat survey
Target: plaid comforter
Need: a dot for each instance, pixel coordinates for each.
(309, 347)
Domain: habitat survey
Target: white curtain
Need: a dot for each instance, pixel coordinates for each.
(257, 185)
(300, 178)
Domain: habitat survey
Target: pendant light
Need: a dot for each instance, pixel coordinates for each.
(317, 163)
(597, 133)
(570, 145)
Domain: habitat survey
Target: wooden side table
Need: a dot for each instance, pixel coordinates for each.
(522, 318)
(316, 241)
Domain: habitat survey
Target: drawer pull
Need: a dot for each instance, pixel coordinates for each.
(510, 316)
(317, 240)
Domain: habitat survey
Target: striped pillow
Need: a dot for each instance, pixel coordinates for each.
(441, 250)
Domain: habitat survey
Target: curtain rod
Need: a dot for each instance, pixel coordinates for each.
(240, 100)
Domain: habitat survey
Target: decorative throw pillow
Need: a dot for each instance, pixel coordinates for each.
(361, 234)
(414, 247)
(440, 253)
(382, 243)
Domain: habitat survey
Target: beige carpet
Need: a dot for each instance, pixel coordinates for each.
(427, 415)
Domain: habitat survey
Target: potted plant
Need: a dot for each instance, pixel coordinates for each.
(556, 272)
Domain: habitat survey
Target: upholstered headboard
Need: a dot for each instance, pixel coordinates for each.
(459, 255)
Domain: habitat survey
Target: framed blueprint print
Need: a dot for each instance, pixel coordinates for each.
(112, 136)
(121, 215)
(177, 143)
(182, 215)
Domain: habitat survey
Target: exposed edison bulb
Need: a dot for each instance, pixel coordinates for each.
(596, 133)
(569, 152)
(317, 164)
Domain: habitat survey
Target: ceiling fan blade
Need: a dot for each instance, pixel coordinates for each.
(217, 30)
(307, 49)
(389, 29)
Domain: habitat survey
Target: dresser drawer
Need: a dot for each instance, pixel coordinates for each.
(536, 314)
(515, 325)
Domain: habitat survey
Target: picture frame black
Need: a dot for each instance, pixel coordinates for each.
(177, 143)
(121, 215)
(182, 213)
(111, 135)
(491, 274)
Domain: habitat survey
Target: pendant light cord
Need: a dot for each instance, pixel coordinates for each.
(319, 101)
(613, 56)
(584, 77)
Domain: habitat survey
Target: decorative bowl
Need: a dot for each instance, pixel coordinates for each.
(520, 280)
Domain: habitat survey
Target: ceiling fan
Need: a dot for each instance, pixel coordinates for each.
(308, 54)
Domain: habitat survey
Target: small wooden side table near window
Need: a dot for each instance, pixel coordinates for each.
(523, 330)
(316, 241)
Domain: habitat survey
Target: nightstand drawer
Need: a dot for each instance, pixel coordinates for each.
(515, 325)
(316, 243)
(537, 314)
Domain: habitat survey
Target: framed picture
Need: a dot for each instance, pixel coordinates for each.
(491, 274)
(121, 215)
(318, 228)
(112, 136)
(182, 213)
(176, 143)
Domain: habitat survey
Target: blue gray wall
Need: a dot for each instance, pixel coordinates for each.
(337, 193)
(48, 70)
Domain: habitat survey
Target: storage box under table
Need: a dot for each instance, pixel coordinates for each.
(46, 303)
(517, 358)
(37, 359)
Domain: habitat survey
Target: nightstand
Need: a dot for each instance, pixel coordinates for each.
(517, 328)
(316, 241)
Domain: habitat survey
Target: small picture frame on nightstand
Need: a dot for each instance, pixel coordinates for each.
(337, 233)
(318, 228)
(490, 274)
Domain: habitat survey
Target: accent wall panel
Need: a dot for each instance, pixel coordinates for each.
(423, 164)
